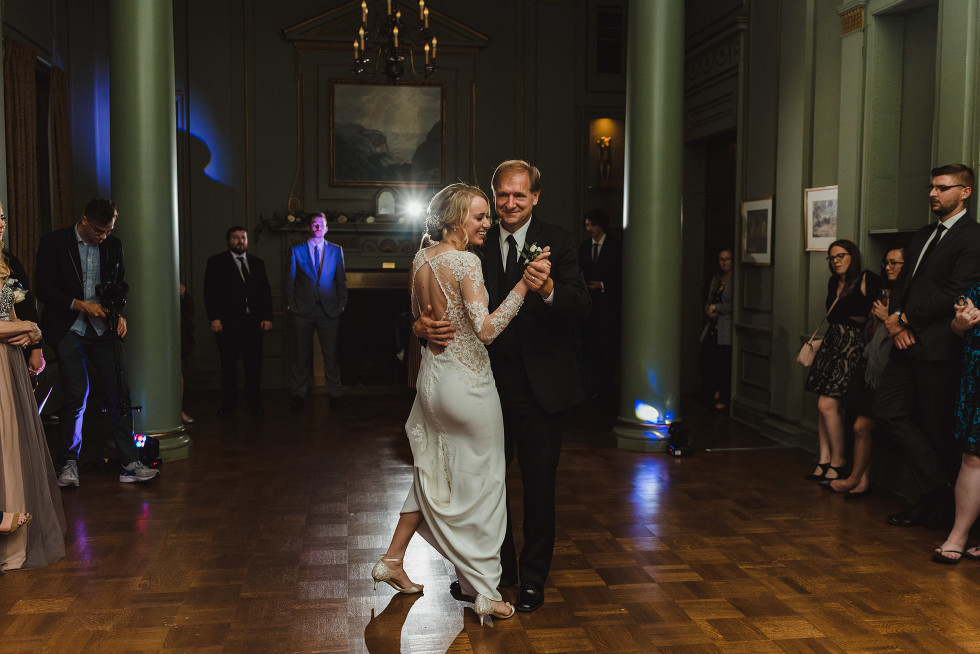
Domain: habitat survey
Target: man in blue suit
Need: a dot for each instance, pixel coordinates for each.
(316, 294)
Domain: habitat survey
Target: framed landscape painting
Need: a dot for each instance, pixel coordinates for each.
(757, 232)
(384, 135)
(820, 207)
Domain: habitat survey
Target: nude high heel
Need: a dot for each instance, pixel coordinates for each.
(484, 607)
(382, 573)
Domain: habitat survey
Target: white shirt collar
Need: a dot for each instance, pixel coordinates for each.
(602, 239)
(235, 255)
(949, 222)
(520, 235)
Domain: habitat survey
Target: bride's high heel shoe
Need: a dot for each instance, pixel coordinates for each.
(484, 607)
(382, 573)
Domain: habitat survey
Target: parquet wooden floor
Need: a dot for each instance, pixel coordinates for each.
(264, 540)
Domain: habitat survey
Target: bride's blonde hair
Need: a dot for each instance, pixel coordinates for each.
(449, 209)
(4, 268)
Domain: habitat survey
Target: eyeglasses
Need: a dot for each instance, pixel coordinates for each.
(941, 188)
(100, 232)
(722, 259)
(837, 257)
(893, 263)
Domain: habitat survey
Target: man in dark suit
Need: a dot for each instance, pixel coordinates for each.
(914, 402)
(238, 300)
(73, 265)
(316, 294)
(533, 363)
(601, 259)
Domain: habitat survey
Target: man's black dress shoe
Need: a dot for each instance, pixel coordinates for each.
(296, 403)
(457, 592)
(530, 598)
(917, 514)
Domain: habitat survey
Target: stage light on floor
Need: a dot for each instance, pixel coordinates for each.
(646, 413)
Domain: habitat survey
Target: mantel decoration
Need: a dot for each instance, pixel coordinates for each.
(394, 42)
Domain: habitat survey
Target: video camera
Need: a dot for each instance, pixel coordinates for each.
(112, 296)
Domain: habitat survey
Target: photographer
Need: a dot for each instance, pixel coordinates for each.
(75, 266)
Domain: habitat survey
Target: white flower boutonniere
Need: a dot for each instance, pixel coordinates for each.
(530, 252)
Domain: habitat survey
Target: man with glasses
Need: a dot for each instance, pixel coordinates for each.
(914, 403)
(73, 264)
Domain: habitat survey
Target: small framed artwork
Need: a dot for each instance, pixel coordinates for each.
(757, 232)
(384, 204)
(820, 208)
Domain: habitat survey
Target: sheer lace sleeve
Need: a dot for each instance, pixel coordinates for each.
(486, 325)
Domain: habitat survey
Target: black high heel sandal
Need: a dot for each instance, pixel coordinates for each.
(823, 471)
(840, 474)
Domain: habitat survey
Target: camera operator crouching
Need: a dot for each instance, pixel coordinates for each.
(81, 282)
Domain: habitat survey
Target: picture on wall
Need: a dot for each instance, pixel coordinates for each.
(757, 232)
(820, 207)
(383, 135)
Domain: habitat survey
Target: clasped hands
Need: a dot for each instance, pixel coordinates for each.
(967, 317)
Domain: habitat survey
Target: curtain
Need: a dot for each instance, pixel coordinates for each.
(61, 180)
(20, 104)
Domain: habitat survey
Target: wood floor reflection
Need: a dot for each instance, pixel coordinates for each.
(264, 541)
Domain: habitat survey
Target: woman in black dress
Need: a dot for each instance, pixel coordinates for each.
(840, 352)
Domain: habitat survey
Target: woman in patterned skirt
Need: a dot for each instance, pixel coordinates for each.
(840, 353)
(967, 434)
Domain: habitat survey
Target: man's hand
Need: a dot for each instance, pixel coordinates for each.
(36, 362)
(537, 275)
(967, 317)
(891, 324)
(18, 340)
(216, 326)
(712, 311)
(90, 309)
(437, 332)
(594, 286)
(904, 340)
(121, 327)
(265, 325)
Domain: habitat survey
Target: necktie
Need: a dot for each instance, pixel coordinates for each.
(317, 262)
(511, 269)
(595, 252)
(940, 228)
(244, 269)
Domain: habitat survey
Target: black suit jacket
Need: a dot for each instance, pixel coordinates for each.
(59, 278)
(225, 292)
(542, 335)
(608, 269)
(927, 296)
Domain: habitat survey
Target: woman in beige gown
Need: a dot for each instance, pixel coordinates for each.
(457, 501)
(27, 480)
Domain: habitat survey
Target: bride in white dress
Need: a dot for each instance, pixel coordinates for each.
(457, 501)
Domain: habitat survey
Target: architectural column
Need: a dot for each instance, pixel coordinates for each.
(651, 359)
(144, 187)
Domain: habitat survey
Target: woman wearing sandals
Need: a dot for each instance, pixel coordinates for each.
(849, 294)
(861, 390)
(456, 430)
(967, 433)
(26, 471)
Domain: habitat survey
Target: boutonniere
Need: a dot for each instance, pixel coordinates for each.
(20, 293)
(530, 252)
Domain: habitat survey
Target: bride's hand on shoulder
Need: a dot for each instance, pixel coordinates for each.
(438, 332)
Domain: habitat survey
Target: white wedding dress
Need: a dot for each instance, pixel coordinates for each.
(456, 428)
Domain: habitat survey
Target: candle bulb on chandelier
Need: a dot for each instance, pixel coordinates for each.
(389, 7)
(434, 43)
(360, 33)
(398, 16)
(394, 33)
(426, 54)
(421, 9)
(356, 48)
(364, 12)
(425, 17)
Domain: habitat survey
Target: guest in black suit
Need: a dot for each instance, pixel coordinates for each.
(601, 259)
(72, 264)
(915, 400)
(533, 362)
(238, 299)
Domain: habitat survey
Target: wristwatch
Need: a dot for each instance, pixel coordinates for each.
(901, 320)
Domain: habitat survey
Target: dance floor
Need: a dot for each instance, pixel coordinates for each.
(264, 541)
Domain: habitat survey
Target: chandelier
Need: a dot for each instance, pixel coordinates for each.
(395, 43)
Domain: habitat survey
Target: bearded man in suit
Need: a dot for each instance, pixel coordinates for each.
(316, 294)
(914, 402)
(533, 362)
(238, 300)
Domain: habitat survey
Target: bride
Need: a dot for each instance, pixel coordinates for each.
(456, 429)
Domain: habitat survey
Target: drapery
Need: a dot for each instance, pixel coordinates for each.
(20, 105)
(60, 131)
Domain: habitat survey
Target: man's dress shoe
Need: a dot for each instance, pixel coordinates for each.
(457, 592)
(917, 514)
(530, 598)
